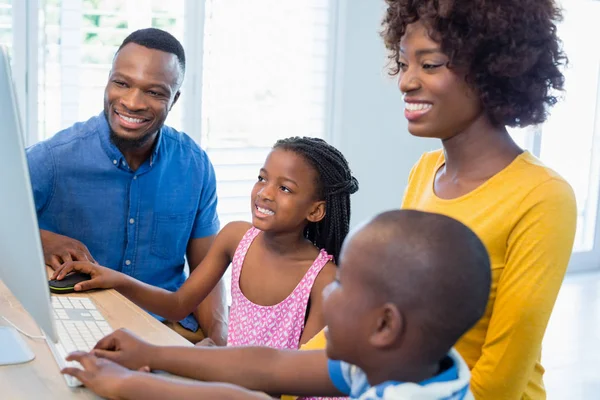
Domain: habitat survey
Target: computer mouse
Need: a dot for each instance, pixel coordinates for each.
(67, 285)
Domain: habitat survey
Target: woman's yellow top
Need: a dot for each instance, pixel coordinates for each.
(526, 216)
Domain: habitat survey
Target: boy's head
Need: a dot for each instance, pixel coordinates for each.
(409, 285)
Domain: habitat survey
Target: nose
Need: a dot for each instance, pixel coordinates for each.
(408, 81)
(133, 100)
(266, 192)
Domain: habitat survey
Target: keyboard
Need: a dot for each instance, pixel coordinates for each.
(79, 326)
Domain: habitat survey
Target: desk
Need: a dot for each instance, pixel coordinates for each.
(40, 378)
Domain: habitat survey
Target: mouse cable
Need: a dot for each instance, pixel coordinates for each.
(21, 332)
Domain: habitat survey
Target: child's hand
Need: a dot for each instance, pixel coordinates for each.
(102, 377)
(206, 342)
(126, 349)
(101, 277)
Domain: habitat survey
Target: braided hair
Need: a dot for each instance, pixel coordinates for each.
(335, 184)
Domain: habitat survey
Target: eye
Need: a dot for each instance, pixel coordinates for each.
(431, 66)
(261, 179)
(120, 83)
(402, 66)
(285, 189)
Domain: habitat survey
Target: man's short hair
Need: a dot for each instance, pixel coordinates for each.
(157, 39)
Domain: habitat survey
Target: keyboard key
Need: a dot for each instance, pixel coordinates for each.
(97, 316)
(87, 303)
(55, 302)
(77, 305)
(76, 330)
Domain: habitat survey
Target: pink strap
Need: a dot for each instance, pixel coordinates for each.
(240, 255)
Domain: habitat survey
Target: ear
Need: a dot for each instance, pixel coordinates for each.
(390, 327)
(175, 99)
(317, 212)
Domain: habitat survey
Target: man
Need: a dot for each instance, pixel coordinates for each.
(128, 192)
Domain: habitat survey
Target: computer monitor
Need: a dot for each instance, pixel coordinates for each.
(22, 267)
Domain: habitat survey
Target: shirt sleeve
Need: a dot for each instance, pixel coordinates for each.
(340, 376)
(538, 252)
(206, 222)
(42, 173)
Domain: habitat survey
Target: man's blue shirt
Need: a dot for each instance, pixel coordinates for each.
(137, 222)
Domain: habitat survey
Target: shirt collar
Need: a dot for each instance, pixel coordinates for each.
(447, 375)
(157, 146)
(113, 152)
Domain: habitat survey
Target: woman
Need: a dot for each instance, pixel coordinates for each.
(467, 69)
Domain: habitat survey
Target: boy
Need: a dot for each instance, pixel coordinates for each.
(409, 285)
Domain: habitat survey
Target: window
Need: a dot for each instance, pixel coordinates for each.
(265, 74)
(6, 34)
(569, 140)
(571, 130)
(264, 68)
(257, 71)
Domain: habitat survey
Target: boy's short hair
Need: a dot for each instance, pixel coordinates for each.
(433, 268)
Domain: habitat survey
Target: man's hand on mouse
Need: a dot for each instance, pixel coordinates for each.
(59, 249)
(101, 277)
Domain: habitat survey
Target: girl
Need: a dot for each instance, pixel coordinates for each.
(280, 262)
(467, 70)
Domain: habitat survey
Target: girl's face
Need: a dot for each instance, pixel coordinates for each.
(438, 101)
(284, 198)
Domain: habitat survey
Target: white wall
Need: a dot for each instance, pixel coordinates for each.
(368, 124)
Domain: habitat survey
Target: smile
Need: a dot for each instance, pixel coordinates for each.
(414, 111)
(131, 122)
(417, 106)
(265, 211)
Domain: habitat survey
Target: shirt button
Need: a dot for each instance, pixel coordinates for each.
(131, 220)
(135, 177)
(127, 262)
(115, 162)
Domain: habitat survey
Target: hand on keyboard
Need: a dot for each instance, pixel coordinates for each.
(101, 376)
(71, 380)
(126, 349)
